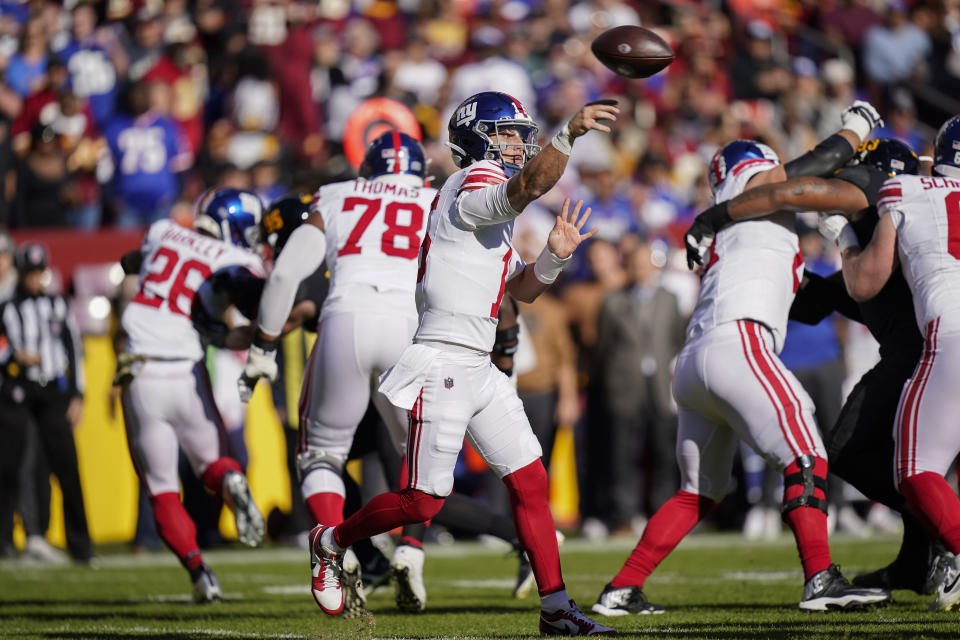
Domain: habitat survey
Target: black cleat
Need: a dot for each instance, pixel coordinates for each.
(621, 601)
(920, 578)
(828, 590)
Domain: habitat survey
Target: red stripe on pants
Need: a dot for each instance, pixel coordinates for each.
(910, 406)
(783, 401)
(785, 384)
(744, 331)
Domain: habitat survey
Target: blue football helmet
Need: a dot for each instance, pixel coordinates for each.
(231, 215)
(484, 114)
(946, 149)
(732, 154)
(394, 152)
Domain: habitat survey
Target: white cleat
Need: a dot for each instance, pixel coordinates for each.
(351, 583)
(206, 588)
(948, 591)
(325, 569)
(37, 548)
(250, 524)
(407, 567)
(570, 621)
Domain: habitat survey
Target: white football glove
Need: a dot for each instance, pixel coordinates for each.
(261, 363)
(837, 229)
(861, 118)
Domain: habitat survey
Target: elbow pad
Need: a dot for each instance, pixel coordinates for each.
(301, 256)
(828, 156)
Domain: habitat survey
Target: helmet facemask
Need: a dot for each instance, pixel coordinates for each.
(525, 129)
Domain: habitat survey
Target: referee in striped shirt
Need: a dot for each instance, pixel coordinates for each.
(42, 368)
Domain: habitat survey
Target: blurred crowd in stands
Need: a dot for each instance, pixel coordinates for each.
(120, 112)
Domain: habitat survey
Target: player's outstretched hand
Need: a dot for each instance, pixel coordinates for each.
(565, 236)
(696, 240)
(591, 117)
(860, 117)
(261, 363)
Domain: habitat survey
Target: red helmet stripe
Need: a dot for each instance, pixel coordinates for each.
(716, 169)
(520, 109)
(396, 150)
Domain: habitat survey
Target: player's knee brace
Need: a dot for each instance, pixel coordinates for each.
(317, 459)
(803, 474)
(418, 506)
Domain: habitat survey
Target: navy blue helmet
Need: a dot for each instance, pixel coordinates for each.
(735, 153)
(394, 152)
(231, 215)
(946, 149)
(890, 156)
(484, 114)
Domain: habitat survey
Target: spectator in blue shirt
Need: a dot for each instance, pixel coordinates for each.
(92, 72)
(26, 69)
(146, 152)
(893, 52)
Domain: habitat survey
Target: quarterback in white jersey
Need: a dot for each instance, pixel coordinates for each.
(167, 398)
(369, 230)
(446, 378)
(730, 385)
(919, 220)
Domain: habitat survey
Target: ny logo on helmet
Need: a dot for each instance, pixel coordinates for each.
(466, 114)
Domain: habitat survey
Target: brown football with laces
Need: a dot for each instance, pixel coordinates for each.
(633, 52)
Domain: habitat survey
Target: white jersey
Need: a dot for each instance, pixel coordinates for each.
(467, 258)
(926, 214)
(754, 267)
(176, 262)
(374, 229)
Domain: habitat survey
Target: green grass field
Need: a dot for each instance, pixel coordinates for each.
(714, 586)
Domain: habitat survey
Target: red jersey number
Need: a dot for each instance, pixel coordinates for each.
(953, 224)
(395, 228)
(179, 288)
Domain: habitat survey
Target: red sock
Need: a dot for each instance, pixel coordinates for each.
(176, 528)
(529, 502)
(809, 524)
(325, 508)
(385, 512)
(212, 476)
(936, 506)
(666, 529)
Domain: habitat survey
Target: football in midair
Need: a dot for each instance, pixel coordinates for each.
(633, 52)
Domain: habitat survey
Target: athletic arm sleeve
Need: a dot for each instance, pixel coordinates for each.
(484, 207)
(818, 297)
(301, 256)
(822, 160)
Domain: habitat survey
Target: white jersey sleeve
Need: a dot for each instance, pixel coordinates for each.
(478, 204)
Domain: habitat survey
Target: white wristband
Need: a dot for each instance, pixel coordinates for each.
(859, 125)
(847, 238)
(548, 266)
(563, 141)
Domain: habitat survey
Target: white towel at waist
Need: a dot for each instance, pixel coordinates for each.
(402, 382)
